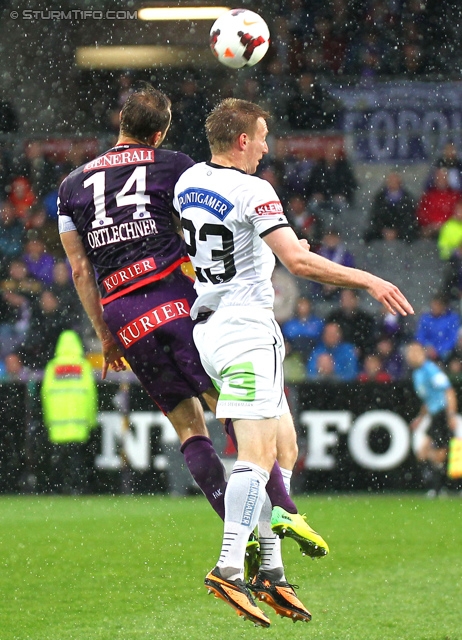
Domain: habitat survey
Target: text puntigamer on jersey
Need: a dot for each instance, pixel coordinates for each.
(212, 202)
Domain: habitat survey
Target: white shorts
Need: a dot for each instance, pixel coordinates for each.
(242, 350)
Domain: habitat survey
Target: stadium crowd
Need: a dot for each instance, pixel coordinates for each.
(328, 333)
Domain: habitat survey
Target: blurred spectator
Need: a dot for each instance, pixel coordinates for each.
(12, 234)
(280, 50)
(40, 170)
(46, 325)
(332, 184)
(333, 248)
(304, 330)
(63, 288)
(330, 42)
(357, 325)
(437, 330)
(391, 358)
(373, 371)
(123, 90)
(15, 318)
(19, 281)
(39, 263)
(189, 110)
(8, 117)
(366, 55)
(311, 108)
(296, 174)
(5, 171)
(392, 326)
(251, 90)
(293, 365)
(272, 172)
(15, 371)
(450, 235)
(451, 161)
(413, 60)
(277, 88)
(50, 199)
(452, 278)
(324, 367)
(305, 224)
(454, 363)
(437, 204)
(286, 294)
(393, 212)
(21, 196)
(41, 227)
(342, 353)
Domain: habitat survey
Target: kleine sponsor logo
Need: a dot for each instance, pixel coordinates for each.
(270, 208)
(127, 274)
(152, 320)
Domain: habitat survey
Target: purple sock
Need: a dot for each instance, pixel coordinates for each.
(275, 487)
(207, 470)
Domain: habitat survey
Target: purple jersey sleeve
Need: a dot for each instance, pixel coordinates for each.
(121, 206)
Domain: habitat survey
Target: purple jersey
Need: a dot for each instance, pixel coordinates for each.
(121, 206)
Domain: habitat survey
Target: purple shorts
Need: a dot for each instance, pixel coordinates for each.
(154, 327)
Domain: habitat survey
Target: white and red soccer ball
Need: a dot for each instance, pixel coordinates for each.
(239, 38)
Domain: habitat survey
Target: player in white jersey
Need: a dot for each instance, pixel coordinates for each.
(232, 223)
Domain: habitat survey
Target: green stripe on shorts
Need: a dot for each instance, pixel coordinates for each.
(241, 379)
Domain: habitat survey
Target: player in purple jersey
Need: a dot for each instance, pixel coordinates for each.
(116, 224)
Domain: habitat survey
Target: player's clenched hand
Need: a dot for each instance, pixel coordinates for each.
(390, 296)
(112, 354)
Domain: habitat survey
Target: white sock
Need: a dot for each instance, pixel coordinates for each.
(270, 543)
(286, 477)
(244, 498)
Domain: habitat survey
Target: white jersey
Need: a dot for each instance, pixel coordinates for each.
(225, 213)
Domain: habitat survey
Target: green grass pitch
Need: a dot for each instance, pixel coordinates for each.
(126, 568)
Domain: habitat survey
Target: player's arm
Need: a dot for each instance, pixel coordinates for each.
(297, 258)
(419, 417)
(85, 284)
(451, 408)
(177, 224)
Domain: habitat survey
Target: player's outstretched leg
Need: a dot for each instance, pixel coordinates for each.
(280, 595)
(252, 559)
(237, 595)
(207, 470)
(294, 525)
(275, 486)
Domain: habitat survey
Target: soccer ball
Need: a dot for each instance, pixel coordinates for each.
(239, 38)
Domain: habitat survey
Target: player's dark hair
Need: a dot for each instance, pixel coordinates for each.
(229, 120)
(144, 113)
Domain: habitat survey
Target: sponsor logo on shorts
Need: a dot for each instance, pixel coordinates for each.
(152, 320)
(270, 208)
(239, 383)
(127, 274)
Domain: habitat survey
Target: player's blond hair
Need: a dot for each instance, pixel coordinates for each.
(229, 119)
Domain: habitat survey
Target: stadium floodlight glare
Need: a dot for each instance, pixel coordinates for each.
(141, 57)
(181, 13)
